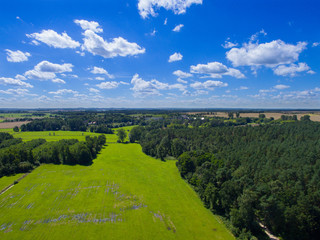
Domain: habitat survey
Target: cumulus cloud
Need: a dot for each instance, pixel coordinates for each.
(178, 28)
(46, 66)
(142, 88)
(14, 82)
(93, 90)
(182, 81)
(281, 87)
(46, 70)
(18, 91)
(315, 44)
(64, 91)
(98, 70)
(17, 56)
(58, 80)
(148, 7)
(54, 39)
(34, 74)
(100, 78)
(96, 45)
(292, 69)
(165, 21)
(269, 54)
(210, 85)
(216, 70)
(108, 85)
(175, 57)
(86, 25)
(182, 74)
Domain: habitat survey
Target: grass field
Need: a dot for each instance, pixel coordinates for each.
(124, 194)
(53, 135)
(6, 181)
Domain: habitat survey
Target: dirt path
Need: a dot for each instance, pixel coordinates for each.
(11, 185)
(270, 235)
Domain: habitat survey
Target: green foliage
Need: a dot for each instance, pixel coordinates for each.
(17, 156)
(135, 134)
(122, 134)
(16, 129)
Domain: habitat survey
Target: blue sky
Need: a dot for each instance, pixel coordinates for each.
(166, 53)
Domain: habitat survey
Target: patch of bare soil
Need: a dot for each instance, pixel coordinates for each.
(12, 124)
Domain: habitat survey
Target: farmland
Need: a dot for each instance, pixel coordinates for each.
(124, 194)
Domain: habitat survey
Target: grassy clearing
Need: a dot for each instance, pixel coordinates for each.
(6, 181)
(123, 195)
(53, 135)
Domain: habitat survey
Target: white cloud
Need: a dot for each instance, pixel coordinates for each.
(210, 85)
(266, 54)
(182, 81)
(153, 33)
(14, 82)
(243, 88)
(292, 69)
(148, 7)
(216, 70)
(34, 74)
(46, 66)
(182, 74)
(20, 77)
(58, 80)
(17, 56)
(53, 39)
(96, 45)
(64, 91)
(18, 91)
(93, 90)
(315, 44)
(175, 57)
(100, 78)
(228, 44)
(281, 87)
(178, 28)
(142, 88)
(82, 54)
(46, 70)
(108, 85)
(98, 70)
(165, 21)
(86, 25)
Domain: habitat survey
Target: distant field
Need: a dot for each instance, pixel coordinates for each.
(123, 195)
(5, 125)
(276, 115)
(54, 135)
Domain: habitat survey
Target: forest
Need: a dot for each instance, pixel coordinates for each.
(20, 157)
(267, 175)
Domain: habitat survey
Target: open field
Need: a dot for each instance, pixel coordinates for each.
(314, 116)
(55, 135)
(6, 181)
(123, 195)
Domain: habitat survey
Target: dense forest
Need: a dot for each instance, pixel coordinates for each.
(268, 174)
(20, 157)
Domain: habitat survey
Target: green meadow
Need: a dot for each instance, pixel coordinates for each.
(6, 181)
(124, 194)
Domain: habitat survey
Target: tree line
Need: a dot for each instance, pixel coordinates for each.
(20, 157)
